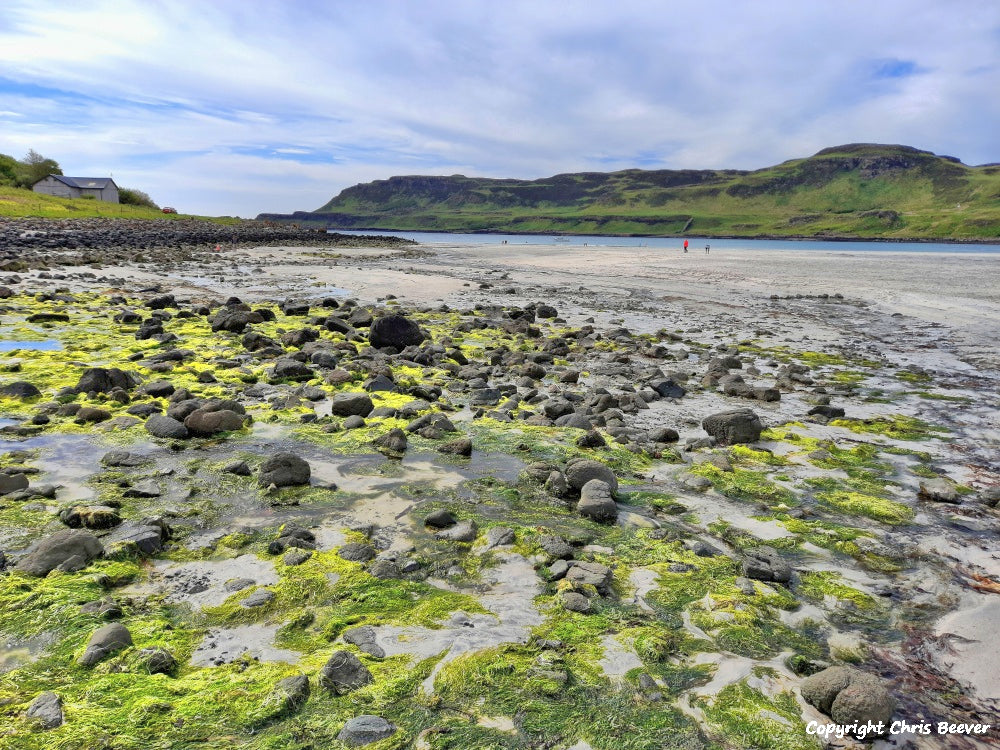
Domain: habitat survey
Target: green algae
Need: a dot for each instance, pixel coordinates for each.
(870, 506)
(746, 484)
(747, 718)
(896, 426)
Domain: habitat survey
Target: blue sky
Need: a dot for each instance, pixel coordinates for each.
(236, 108)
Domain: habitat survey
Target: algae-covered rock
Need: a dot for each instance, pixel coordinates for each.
(849, 695)
(343, 673)
(73, 546)
(20, 389)
(766, 564)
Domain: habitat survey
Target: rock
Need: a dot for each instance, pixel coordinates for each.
(205, 423)
(356, 552)
(465, 531)
(596, 502)
(364, 730)
(827, 411)
(580, 471)
(21, 389)
(384, 569)
(47, 709)
(575, 602)
(849, 695)
(162, 426)
(57, 549)
(364, 638)
(290, 694)
(460, 447)
(343, 673)
(147, 537)
(291, 369)
(765, 564)
(667, 388)
(284, 470)
(12, 483)
(156, 660)
(939, 490)
(396, 331)
(736, 426)
(440, 519)
(259, 598)
(146, 488)
(92, 414)
(230, 319)
(351, 404)
(593, 439)
(296, 557)
(392, 444)
(555, 547)
(90, 516)
(499, 536)
(239, 468)
(116, 459)
(101, 380)
(104, 642)
(590, 573)
(664, 435)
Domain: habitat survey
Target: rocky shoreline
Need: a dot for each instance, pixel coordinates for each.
(531, 514)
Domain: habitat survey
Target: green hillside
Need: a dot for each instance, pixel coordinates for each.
(851, 191)
(21, 202)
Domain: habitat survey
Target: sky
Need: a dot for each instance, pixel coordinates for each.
(236, 107)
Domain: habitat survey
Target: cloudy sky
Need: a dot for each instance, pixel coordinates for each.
(242, 106)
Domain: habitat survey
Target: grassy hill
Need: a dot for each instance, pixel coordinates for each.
(19, 202)
(851, 191)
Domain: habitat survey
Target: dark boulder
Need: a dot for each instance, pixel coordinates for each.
(396, 331)
(284, 470)
(736, 426)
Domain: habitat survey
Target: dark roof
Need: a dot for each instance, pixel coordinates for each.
(93, 183)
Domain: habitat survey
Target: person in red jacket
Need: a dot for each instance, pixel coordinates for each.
(685, 245)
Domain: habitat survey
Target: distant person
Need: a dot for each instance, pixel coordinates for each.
(685, 245)
(707, 248)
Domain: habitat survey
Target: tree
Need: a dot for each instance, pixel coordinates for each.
(8, 170)
(35, 167)
(133, 197)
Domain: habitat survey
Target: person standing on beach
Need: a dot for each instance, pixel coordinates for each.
(685, 245)
(707, 248)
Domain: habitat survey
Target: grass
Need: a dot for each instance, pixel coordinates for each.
(18, 203)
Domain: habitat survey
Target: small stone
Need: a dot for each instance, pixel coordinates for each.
(284, 470)
(575, 602)
(465, 531)
(47, 709)
(356, 552)
(258, 598)
(364, 730)
(364, 638)
(440, 519)
(343, 673)
(157, 660)
(296, 557)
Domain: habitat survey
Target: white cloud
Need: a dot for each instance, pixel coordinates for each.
(232, 107)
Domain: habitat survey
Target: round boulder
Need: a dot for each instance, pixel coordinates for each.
(596, 502)
(581, 471)
(396, 331)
